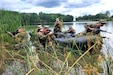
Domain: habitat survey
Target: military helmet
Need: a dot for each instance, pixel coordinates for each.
(39, 26)
(57, 19)
(46, 26)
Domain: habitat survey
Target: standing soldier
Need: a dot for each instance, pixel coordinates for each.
(58, 26)
(21, 38)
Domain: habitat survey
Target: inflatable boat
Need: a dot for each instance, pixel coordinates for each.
(77, 42)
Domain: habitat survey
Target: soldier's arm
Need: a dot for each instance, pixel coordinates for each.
(90, 27)
(41, 36)
(16, 36)
(73, 30)
(45, 36)
(10, 34)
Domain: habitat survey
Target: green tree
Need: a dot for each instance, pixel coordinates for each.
(68, 18)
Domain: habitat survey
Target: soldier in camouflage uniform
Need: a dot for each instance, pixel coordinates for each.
(39, 27)
(71, 30)
(45, 36)
(58, 26)
(92, 29)
(20, 39)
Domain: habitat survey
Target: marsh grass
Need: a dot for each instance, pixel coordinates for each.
(53, 60)
(40, 62)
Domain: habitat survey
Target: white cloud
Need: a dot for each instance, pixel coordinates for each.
(72, 7)
(75, 1)
(93, 9)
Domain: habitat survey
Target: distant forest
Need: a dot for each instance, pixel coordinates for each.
(43, 18)
(96, 17)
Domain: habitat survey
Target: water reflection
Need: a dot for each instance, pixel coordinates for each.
(109, 26)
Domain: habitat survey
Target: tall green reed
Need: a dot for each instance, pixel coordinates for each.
(9, 21)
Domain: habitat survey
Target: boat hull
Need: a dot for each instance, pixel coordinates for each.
(80, 43)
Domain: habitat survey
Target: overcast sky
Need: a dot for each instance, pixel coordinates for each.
(72, 7)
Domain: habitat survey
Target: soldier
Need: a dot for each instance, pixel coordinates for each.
(38, 28)
(71, 30)
(95, 28)
(44, 36)
(58, 26)
(21, 38)
(92, 29)
(34, 33)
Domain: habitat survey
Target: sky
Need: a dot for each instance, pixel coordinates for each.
(67, 7)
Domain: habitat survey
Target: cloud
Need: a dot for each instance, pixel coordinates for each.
(46, 3)
(15, 5)
(92, 8)
(80, 3)
(72, 7)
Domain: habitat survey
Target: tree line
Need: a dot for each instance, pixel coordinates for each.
(43, 18)
(96, 17)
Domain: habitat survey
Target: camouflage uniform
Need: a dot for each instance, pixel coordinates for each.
(94, 28)
(41, 37)
(21, 40)
(71, 30)
(58, 26)
(87, 31)
(97, 38)
(38, 28)
(44, 38)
